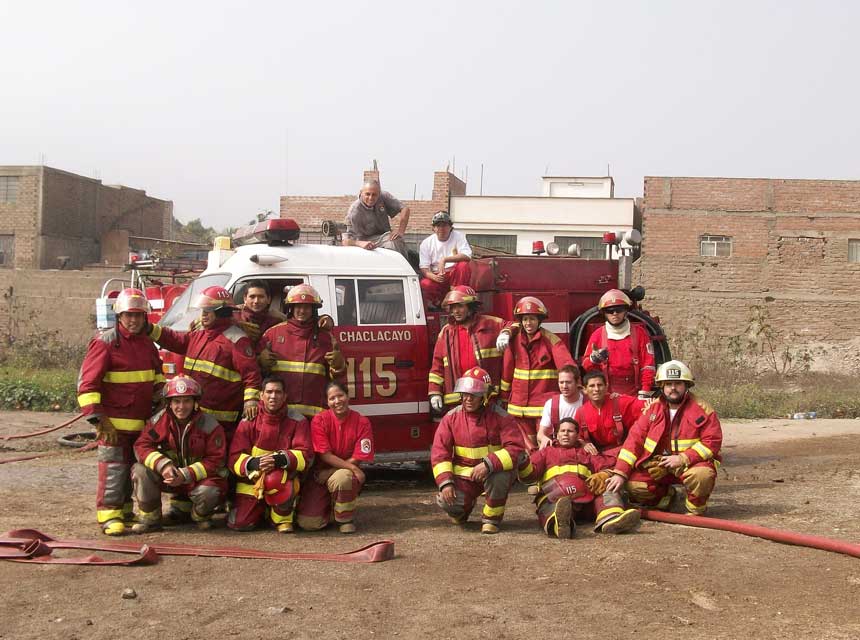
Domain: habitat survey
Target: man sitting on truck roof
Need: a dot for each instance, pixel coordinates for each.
(443, 259)
(368, 220)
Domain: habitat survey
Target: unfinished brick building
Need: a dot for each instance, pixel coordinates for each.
(715, 247)
(55, 219)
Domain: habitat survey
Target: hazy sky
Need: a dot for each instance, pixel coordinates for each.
(222, 107)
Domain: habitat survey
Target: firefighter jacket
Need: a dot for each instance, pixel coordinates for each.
(561, 471)
(608, 426)
(449, 364)
(630, 359)
(299, 350)
(286, 431)
(464, 440)
(530, 371)
(119, 376)
(221, 360)
(199, 449)
(695, 432)
(265, 320)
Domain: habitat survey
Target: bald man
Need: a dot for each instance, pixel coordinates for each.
(368, 220)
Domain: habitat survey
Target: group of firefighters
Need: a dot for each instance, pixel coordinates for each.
(259, 424)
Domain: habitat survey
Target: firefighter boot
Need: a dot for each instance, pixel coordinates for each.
(285, 527)
(347, 527)
(625, 521)
(148, 521)
(113, 527)
(564, 526)
(489, 528)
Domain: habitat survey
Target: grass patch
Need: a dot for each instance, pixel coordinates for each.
(38, 389)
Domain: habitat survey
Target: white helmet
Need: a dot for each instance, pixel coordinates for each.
(675, 370)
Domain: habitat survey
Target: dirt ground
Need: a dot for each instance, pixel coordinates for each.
(664, 581)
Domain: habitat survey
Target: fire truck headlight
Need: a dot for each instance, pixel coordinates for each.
(553, 249)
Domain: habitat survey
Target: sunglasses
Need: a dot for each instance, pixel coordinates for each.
(615, 310)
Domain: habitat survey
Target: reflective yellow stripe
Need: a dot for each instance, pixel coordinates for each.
(226, 416)
(443, 467)
(204, 366)
(159, 377)
(695, 509)
(608, 512)
(463, 471)
(86, 399)
(155, 332)
(703, 451)
(199, 470)
(475, 453)
(245, 489)
(627, 457)
(307, 410)
(505, 458)
(527, 471)
(300, 459)
(524, 412)
(492, 352)
(491, 512)
(451, 398)
(685, 444)
(291, 366)
(506, 386)
(152, 460)
(650, 445)
(436, 379)
(344, 506)
(127, 424)
(257, 451)
(251, 394)
(125, 377)
(579, 469)
(535, 374)
(237, 466)
(445, 361)
(103, 515)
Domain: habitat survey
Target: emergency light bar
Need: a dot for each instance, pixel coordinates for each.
(281, 231)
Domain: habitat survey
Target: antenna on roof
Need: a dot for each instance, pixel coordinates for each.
(375, 167)
(607, 170)
(546, 170)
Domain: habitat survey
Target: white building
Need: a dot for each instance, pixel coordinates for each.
(569, 210)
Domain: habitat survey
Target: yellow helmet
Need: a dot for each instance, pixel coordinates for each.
(675, 370)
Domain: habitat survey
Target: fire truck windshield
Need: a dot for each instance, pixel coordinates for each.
(179, 316)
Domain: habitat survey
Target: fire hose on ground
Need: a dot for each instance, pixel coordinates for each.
(32, 434)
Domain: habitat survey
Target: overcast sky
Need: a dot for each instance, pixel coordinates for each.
(223, 108)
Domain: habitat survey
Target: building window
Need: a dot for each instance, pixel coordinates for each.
(8, 188)
(589, 246)
(854, 251)
(715, 246)
(505, 244)
(7, 250)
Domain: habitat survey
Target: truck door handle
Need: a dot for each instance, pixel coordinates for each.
(404, 364)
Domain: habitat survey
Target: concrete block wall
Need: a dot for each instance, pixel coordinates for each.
(21, 218)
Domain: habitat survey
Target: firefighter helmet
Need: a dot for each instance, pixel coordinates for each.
(441, 217)
(674, 370)
(277, 487)
(530, 306)
(614, 298)
(475, 381)
(131, 301)
(461, 294)
(212, 299)
(303, 294)
(182, 385)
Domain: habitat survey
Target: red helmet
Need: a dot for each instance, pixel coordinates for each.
(475, 381)
(277, 487)
(131, 301)
(304, 294)
(180, 386)
(530, 306)
(614, 298)
(461, 294)
(212, 299)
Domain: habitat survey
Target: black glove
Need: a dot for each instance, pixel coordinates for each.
(252, 465)
(281, 460)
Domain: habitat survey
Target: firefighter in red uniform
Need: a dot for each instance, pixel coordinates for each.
(677, 440)
(268, 455)
(475, 450)
(254, 316)
(530, 367)
(220, 357)
(120, 376)
(182, 451)
(605, 419)
(343, 441)
(466, 342)
(304, 356)
(621, 349)
(563, 470)
(560, 405)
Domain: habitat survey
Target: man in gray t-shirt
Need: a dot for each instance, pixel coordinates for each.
(368, 220)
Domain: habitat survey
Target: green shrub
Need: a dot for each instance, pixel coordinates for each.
(38, 390)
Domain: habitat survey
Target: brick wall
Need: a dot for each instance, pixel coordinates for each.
(310, 211)
(789, 252)
(21, 218)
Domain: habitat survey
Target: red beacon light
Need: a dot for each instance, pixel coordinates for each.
(281, 231)
(537, 248)
(609, 238)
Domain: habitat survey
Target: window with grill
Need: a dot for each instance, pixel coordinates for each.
(7, 250)
(508, 244)
(854, 251)
(715, 246)
(589, 246)
(8, 188)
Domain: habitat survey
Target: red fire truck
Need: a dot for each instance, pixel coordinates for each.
(385, 330)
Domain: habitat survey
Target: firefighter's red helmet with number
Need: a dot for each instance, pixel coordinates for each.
(131, 301)
(461, 294)
(530, 306)
(180, 386)
(614, 298)
(212, 299)
(303, 294)
(277, 487)
(475, 381)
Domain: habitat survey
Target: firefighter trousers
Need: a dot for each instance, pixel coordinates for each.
(698, 480)
(113, 491)
(200, 498)
(329, 494)
(466, 491)
(248, 511)
(601, 509)
(434, 291)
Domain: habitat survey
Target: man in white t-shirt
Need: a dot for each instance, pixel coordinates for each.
(563, 405)
(443, 259)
